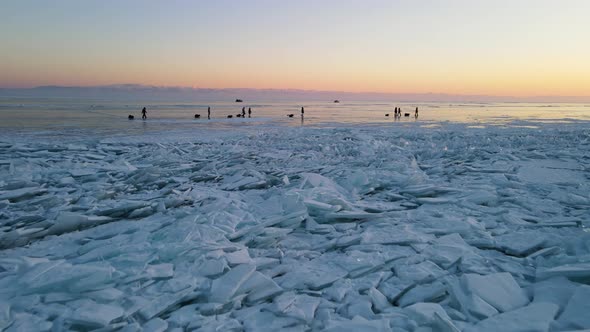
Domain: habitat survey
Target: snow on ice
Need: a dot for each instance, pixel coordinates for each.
(336, 229)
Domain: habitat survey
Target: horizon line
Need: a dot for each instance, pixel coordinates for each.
(115, 85)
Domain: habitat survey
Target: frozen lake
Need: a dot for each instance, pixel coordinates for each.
(105, 116)
(471, 218)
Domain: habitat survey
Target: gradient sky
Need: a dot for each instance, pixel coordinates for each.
(494, 47)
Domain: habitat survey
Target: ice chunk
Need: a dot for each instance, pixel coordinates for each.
(359, 305)
(394, 235)
(521, 243)
(358, 323)
(238, 257)
(155, 325)
(89, 277)
(18, 238)
(82, 172)
(317, 180)
(268, 321)
(259, 287)
(77, 147)
(67, 222)
(296, 217)
(183, 316)
(359, 263)
(348, 215)
(59, 297)
(212, 267)
(575, 315)
(104, 295)
(296, 305)
(434, 200)
(265, 262)
(92, 314)
(163, 303)
(224, 287)
(431, 314)
(20, 194)
(28, 322)
(484, 296)
(319, 206)
(28, 231)
(215, 324)
(160, 271)
(556, 290)
(577, 271)
(132, 327)
(379, 301)
(122, 210)
(421, 272)
(316, 274)
(394, 287)
(549, 172)
(544, 252)
(447, 250)
(36, 275)
(338, 290)
(423, 293)
(4, 313)
(141, 213)
(499, 289)
(426, 190)
(534, 317)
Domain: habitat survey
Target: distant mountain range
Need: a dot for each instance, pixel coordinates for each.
(153, 93)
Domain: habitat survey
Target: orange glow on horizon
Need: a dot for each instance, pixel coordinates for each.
(495, 48)
(478, 78)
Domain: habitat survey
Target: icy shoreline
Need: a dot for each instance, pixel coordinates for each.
(351, 228)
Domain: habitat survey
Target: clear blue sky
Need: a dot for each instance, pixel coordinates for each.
(515, 47)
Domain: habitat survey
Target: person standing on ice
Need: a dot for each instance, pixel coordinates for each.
(249, 112)
(143, 114)
(302, 111)
(209, 112)
(243, 112)
(416, 113)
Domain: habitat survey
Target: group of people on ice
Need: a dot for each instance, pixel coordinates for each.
(397, 113)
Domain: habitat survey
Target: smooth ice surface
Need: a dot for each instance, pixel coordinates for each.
(365, 228)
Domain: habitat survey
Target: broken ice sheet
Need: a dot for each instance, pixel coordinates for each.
(296, 228)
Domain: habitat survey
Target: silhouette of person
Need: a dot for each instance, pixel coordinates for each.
(249, 111)
(395, 113)
(209, 112)
(143, 114)
(416, 113)
(302, 111)
(243, 112)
